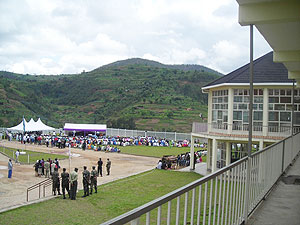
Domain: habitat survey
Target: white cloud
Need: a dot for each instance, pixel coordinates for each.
(53, 36)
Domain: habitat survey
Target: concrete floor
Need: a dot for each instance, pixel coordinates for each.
(282, 206)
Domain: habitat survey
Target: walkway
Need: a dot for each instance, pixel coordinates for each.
(282, 206)
(200, 168)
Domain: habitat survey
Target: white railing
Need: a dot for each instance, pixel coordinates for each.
(227, 196)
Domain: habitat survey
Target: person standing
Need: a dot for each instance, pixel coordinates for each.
(55, 182)
(65, 182)
(52, 167)
(47, 168)
(86, 181)
(17, 155)
(74, 182)
(100, 164)
(94, 179)
(108, 166)
(10, 167)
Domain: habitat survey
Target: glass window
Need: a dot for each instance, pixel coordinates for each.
(297, 118)
(225, 116)
(214, 115)
(220, 99)
(234, 106)
(282, 92)
(254, 106)
(271, 106)
(214, 100)
(260, 92)
(279, 106)
(296, 99)
(238, 99)
(295, 92)
(276, 92)
(237, 115)
(273, 116)
(240, 91)
(261, 106)
(285, 116)
(289, 92)
(246, 91)
(273, 99)
(258, 99)
(219, 115)
(246, 99)
(255, 92)
(285, 100)
(257, 115)
(245, 116)
(270, 91)
(242, 106)
(226, 99)
(235, 91)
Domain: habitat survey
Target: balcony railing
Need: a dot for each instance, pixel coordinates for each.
(227, 196)
(272, 130)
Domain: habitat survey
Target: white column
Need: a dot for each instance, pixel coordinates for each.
(209, 149)
(265, 112)
(228, 153)
(192, 154)
(261, 145)
(209, 110)
(230, 110)
(214, 155)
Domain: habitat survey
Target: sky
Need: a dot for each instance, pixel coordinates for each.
(62, 37)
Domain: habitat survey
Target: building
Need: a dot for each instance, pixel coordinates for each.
(228, 111)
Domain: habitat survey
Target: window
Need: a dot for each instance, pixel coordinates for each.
(273, 116)
(285, 116)
(246, 117)
(237, 99)
(285, 100)
(273, 99)
(279, 107)
(257, 115)
(237, 115)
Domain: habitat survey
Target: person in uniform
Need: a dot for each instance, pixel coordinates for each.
(94, 179)
(108, 165)
(55, 182)
(47, 168)
(73, 182)
(65, 182)
(100, 163)
(86, 181)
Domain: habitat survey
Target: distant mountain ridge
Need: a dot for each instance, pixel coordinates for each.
(147, 62)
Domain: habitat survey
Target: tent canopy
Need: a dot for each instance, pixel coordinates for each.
(85, 127)
(31, 126)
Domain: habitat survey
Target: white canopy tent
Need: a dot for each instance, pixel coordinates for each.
(31, 126)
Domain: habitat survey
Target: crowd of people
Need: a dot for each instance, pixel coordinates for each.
(99, 143)
(182, 160)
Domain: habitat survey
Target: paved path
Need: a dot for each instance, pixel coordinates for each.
(200, 168)
(282, 206)
(13, 191)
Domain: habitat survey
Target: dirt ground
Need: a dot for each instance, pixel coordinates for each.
(13, 191)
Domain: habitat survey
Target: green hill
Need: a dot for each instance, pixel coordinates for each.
(130, 94)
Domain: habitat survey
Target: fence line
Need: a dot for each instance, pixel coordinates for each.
(237, 188)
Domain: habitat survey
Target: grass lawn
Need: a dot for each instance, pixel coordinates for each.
(155, 151)
(112, 199)
(33, 155)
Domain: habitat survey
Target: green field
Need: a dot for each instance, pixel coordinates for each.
(111, 200)
(33, 155)
(156, 151)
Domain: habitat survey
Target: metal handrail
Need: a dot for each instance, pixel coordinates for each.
(137, 212)
(44, 184)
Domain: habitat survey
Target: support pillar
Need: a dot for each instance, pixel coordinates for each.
(208, 156)
(228, 153)
(192, 164)
(214, 155)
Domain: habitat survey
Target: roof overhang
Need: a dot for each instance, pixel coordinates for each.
(204, 89)
(279, 23)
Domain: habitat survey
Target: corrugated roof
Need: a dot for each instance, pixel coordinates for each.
(264, 71)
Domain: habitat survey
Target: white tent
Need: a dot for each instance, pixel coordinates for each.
(31, 126)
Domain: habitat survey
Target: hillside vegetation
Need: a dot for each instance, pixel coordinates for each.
(132, 94)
